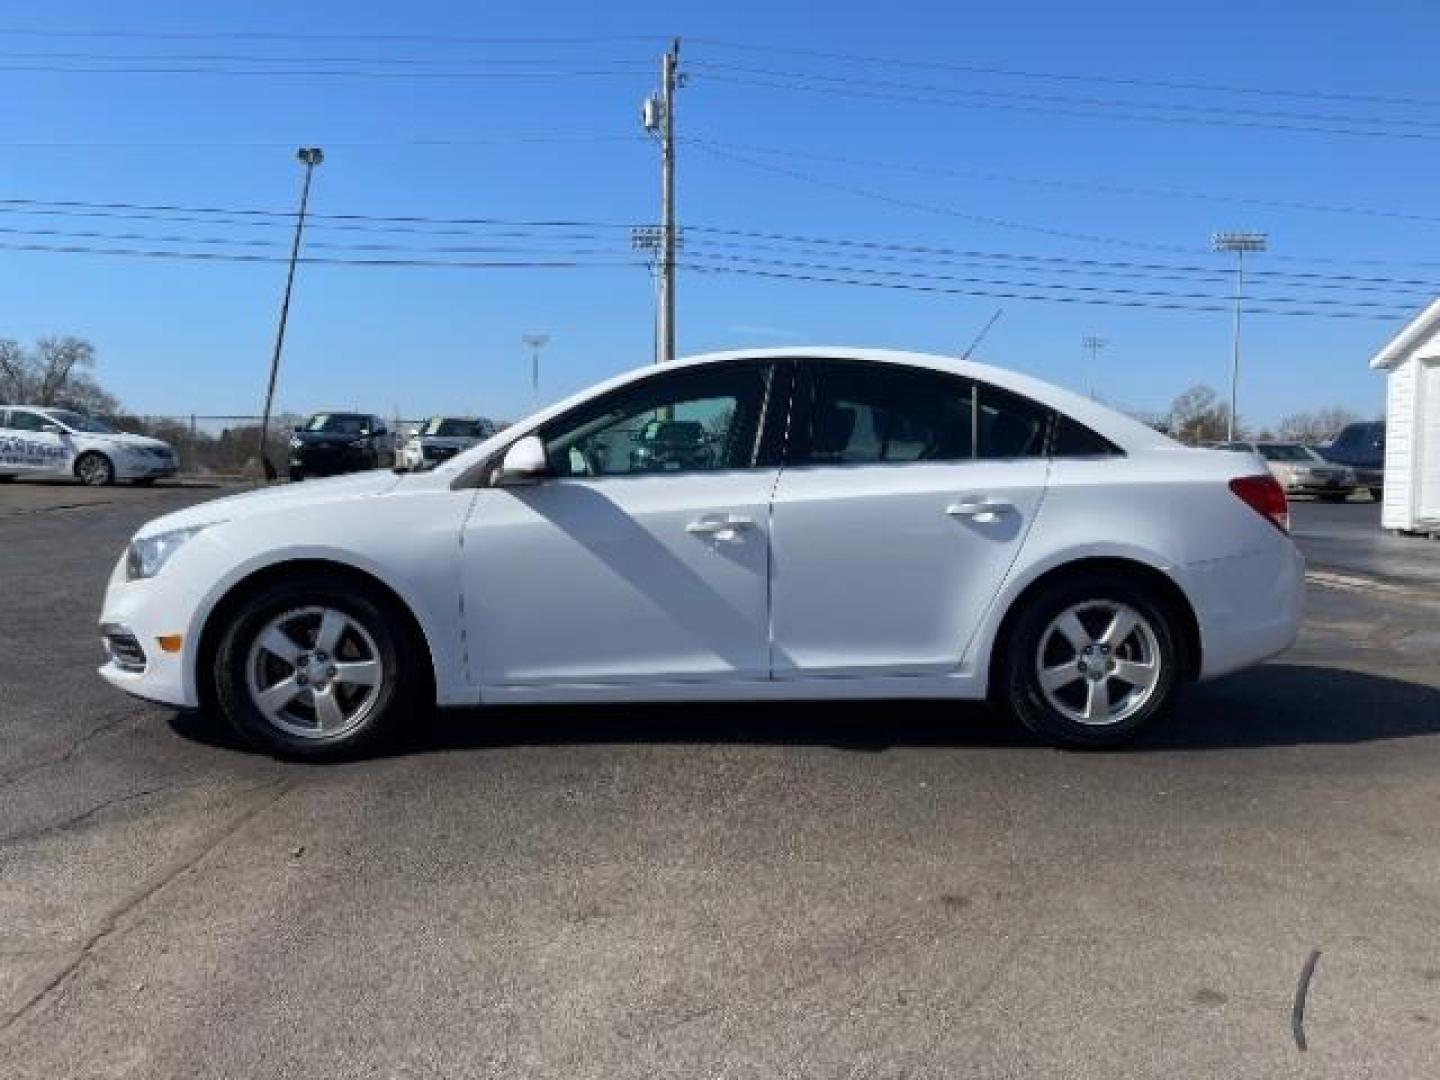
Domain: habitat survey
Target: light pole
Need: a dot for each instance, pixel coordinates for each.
(309, 156)
(1239, 243)
(536, 343)
(1092, 344)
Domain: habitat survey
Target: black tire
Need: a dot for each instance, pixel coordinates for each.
(95, 469)
(1018, 687)
(1377, 493)
(1334, 496)
(296, 475)
(5, 478)
(397, 696)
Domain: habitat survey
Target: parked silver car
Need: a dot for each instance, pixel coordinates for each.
(442, 437)
(1300, 470)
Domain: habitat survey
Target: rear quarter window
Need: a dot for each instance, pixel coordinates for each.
(1074, 439)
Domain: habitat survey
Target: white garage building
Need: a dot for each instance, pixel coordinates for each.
(1411, 362)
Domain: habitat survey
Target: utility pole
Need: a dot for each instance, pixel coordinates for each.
(1239, 243)
(309, 156)
(536, 343)
(658, 116)
(1092, 344)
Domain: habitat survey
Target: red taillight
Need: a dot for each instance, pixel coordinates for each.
(1266, 497)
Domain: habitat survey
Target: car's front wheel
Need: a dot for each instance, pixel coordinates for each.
(1092, 662)
(316, 668)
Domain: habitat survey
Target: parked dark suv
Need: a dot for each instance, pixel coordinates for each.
(334, 442)
(1362, 447)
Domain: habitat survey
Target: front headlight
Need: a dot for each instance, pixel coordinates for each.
(296, 442)
(146, 555)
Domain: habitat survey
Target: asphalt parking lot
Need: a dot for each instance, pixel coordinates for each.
(876, 890)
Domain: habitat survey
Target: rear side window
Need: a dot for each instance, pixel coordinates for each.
(1074, 439)
(864, 414)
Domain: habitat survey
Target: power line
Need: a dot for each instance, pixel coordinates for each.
(1018, 290)
(1070, 184)
(1054, 76)
(1067, 99)
(1013, 103)
(1102, 289)
(421, 225)
(268, 144)
(277, 35)
(338, 73)
(1007, 295)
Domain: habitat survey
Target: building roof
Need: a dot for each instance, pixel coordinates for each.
(1417, 333)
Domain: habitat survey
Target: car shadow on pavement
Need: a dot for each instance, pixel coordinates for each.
(1273, 705)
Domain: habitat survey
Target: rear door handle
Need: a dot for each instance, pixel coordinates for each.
(726, 527)
(980, 510)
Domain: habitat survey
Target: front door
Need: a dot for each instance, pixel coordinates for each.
(645, 558)
(905, 498)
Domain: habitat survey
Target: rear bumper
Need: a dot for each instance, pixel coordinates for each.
(1249, 606)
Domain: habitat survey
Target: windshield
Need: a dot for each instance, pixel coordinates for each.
(1283, 452)
(456, 427)
(80, 422)
(336, 423)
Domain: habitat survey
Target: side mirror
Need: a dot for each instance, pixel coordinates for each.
(51, 429)
(524, 464)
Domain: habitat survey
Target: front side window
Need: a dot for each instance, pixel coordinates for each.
(695, 420)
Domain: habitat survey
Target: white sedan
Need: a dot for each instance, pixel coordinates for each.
(41, 441)
(850, 524)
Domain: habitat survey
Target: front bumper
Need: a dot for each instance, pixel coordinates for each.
(145, 611)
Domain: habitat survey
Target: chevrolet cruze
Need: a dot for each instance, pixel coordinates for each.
(864, 524)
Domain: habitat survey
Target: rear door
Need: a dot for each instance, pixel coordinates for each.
(905, 497)
(26, 447)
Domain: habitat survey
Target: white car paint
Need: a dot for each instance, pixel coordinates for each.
(42, 441)
(847, 581)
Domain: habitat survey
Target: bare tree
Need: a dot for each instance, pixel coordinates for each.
(57, 361)
(1198, 416)
(1313, 427)
(14, 371)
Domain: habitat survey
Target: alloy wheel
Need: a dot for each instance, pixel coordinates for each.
(314, 672)
(1098, 662)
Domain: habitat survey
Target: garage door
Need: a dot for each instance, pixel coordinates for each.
(1428, 482)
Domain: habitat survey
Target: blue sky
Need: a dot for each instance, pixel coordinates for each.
(189, 336)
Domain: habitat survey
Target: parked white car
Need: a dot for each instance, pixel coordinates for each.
(867, 524)
(442, 437)
(41, 441)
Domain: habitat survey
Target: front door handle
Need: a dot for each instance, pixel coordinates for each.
(726, 527)
(980, 510)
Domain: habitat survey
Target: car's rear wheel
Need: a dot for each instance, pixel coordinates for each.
(317, 668)
(1376, 493)
(1092, 662)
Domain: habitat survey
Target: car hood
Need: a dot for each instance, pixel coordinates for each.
(453, 442)
(277, 499)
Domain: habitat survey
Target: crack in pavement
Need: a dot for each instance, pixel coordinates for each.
(109, 722)
(110, 923)
(119, 800)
